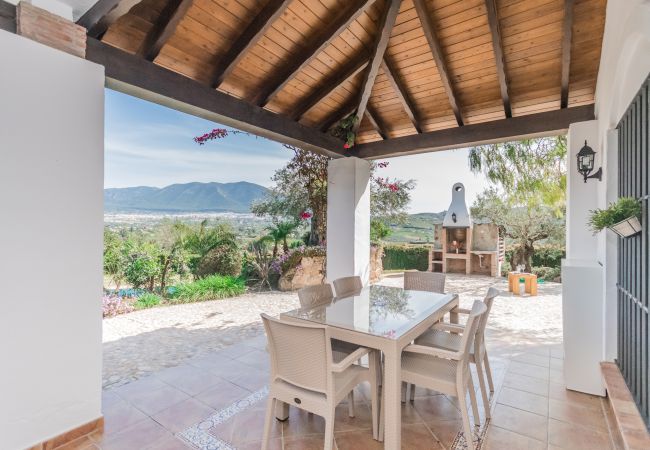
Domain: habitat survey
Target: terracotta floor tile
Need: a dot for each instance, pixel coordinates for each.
(543, 350)
(222, 395)
(438, 407)
(257, 358)
(209, 362)
(274, 444)
(152, 402)
(578, 415)
(534, 403)
(83, 443)
(139, 436)
(235, 351)
(301, 423)
(248, 426)
(502, 439)
(410, 414)
(312, 442)
(525, 383)
(529, 370)
(170, 443)
(182, 415)
(557, 391)
(556, 376)
(532, 358)
(575, 437)
(522, 422)
(353, 440)
(188, 379)
(110, 398)
(445, 431)
(135, 388)
(362, 419)
(119, 416)
(252, 379)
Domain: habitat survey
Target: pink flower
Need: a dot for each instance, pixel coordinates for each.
(305, 215)
(346, 145)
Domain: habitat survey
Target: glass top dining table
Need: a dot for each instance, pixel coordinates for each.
(381, 311)
(386, 319)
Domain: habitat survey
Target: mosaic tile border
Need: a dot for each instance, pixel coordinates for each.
(479, 438)
(198, 435)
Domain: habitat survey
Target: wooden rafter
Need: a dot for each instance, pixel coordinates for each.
(164, 28)
(534, 125)
(376, 122)
(103, 14)
(346, 73)
(567, 31)
(251, 35)
(348, 108)
(402, 94)
(430, 34)
(497, 47)
(136, 76)
(385, 27)
(338, 24)
(7, 17)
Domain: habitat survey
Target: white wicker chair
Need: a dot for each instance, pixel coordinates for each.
(446, 336)
(304, 375)
(315, 295)
(347, 286)
(424, 281)
(446, 371)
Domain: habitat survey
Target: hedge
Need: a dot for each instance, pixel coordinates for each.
(400, 257)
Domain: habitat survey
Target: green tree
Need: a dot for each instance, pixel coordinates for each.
(142, 263)
(523, 225)
(114, 257)
(279, 233)
(530, 172)
(170, 237)
(202, 239)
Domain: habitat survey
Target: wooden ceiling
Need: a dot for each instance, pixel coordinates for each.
(408, 67)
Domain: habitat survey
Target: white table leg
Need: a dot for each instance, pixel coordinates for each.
(392, 390)
(281, 410)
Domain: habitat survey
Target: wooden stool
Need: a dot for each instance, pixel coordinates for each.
(530, 282)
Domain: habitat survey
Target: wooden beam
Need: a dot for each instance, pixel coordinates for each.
(103, 14)
(7, 17)
(164, 28)
(343, 19)
(136, 76)
(400, 89)
(534, 125)
(567, 31)
(348, 108)
(329, 85)
(385, 27)
(376, 122)
(436, 50)
(497, 47)
(251, 35)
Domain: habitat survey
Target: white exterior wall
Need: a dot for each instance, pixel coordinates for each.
(348, 219)
(51, 202)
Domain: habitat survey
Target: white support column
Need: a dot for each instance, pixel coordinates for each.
(51, 203)
(348, 219)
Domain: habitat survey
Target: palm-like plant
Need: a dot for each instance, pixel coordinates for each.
(279, 233)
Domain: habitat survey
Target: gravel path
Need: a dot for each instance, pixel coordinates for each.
(147, 341)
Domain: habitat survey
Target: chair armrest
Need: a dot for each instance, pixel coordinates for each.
(461, 310)
(432, 351)
(452, 327)
(350, 359)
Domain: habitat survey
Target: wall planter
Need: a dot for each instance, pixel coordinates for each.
(622, 217)
(628, 227)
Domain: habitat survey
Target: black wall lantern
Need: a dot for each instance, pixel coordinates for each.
(586, 163)
(453, 217)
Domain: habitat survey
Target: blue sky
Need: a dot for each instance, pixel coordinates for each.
(151, 145)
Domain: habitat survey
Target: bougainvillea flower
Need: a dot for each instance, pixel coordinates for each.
(305, 215)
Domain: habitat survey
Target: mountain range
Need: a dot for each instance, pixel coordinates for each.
(187, 197)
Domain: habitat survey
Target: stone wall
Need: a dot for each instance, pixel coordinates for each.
(310, 272)
(376, 267)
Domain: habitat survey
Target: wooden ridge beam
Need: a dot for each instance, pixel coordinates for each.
(103, 14)
(164, 28)
(329, 85)
(436, 50)
(497, 47)
(567, 32)
(251, 35)
(136, 76)
(376, 122)
(343, 19)
(385, 27)
(400, 89)
(511, 129)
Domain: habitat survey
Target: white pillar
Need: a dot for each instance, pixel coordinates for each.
(348, 219)
(581, 197)
(51, 203)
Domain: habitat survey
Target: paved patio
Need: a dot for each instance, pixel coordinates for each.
(215, 398)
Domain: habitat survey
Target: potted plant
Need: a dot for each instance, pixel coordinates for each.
(622, 217)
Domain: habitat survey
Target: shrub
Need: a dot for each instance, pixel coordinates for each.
(548, 273)
(147, 300)
(401, 257)
(544, 256)
(292, 258)
(208, 288)
(224, 259)
(622, 209)
(112, 305)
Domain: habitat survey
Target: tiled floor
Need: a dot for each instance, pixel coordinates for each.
(532, 409)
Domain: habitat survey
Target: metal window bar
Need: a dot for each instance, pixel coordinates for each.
(634, 254)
